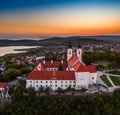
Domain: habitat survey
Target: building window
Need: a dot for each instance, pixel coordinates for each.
(73, 81)
(66, 82)
(50, 81)
(70, 81)
(61, 81)
(36, 81)
(65, 85)
(61, 85)
(92, 77)
(36, 85)
(46, 81)
(69, 52)
(41, 81)
(55, 85)
(50, 85)
(30, 81)
(55, 81)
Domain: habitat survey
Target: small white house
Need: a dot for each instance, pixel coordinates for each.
(2, 86)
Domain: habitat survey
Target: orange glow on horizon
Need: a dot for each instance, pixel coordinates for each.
(62, 26)
(89, 24)
(63, 21)
(8, 28)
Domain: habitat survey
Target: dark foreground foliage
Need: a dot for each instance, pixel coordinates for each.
(100, 104)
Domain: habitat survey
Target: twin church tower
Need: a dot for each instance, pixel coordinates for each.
(78, 52)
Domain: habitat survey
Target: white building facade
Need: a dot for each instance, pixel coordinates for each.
(53, 84)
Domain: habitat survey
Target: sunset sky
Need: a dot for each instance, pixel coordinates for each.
(60, 17)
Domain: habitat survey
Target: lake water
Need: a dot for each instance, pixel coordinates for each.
(10, 49)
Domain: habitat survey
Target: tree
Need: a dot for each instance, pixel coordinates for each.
(31, 92)
(13, 65)
(60, 90)
(17, 93)
(69, 88)
(1, 74)
(47, 89)
(59, 105)
(22, 82)
(112, 64)
(41, 89)
(11, 73)
(25, 70)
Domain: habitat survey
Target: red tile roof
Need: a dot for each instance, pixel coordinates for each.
(51, 75)
(54, 64)
(80, 67)
(76, 66)
(72, 60)
(92, 68)
(59, 75)
(2, 85)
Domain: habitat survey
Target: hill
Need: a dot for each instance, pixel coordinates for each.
(51, 41)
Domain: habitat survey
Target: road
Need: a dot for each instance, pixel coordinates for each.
(13, 82)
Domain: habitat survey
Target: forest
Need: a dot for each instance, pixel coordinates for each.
(32, 104)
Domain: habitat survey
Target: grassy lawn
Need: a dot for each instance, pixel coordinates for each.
(106, 81)
(115, 80)
(104, 63)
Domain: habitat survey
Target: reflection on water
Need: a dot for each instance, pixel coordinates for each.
(10, 49)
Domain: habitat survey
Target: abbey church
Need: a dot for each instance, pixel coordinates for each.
(75, 73)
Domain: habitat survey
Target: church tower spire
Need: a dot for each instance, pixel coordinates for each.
(79, 51)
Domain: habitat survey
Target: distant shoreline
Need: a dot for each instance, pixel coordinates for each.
(61, 41)
(14, 49)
